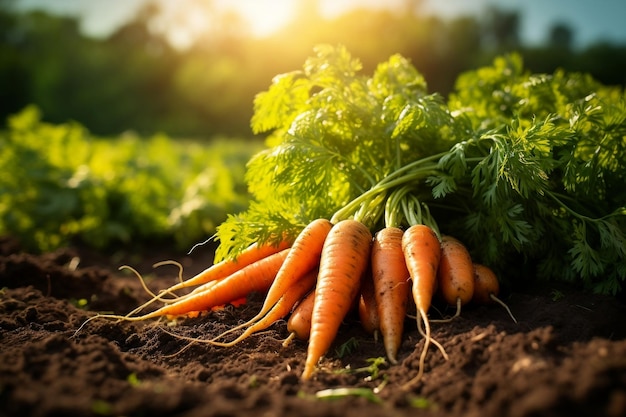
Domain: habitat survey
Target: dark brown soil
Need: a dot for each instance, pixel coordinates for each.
(565, 357)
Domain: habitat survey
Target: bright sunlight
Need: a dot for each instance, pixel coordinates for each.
(263, 16)
(186, 20)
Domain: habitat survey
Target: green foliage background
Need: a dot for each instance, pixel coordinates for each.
(62, 185)
(135, 79)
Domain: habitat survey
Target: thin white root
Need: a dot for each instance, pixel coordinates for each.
(155, 297)
(422, 360)
(503, 304)
(118, 317)
(141, 279)
(131, 315)
(171, 262)
(433, 341)
(440, 347)
(234, 329)
(289, 338)
(211, 342)
(254, 320)
(179, 351)
(193, 339)
(159, 297)
(449, 319)
(427, 341)
(180, 277)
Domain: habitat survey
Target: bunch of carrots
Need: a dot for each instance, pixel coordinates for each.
(331, 267)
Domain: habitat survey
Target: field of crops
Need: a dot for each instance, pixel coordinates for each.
(60, 184)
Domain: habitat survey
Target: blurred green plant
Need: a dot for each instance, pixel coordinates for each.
(60, 184)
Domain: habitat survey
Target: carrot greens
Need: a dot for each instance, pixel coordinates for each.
(521, 166)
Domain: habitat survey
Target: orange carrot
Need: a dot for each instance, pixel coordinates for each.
(368, 309)
(227, 267)
(255, 277)
(455, 273)
(280, 309)
(344, 259)
(303, 257)
(487, 288)
(486, 283)
(285, 304)
(422, 253)
(299, 323)
(391, 284)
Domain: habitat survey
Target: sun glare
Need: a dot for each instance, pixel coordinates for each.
(263, 16)
(186, 20)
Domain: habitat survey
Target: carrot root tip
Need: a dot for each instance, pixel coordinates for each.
(503, 304)
(288, 340)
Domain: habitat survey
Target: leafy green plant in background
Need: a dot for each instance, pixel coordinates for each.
(60, 184)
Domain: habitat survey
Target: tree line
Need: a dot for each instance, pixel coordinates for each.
(135, 79)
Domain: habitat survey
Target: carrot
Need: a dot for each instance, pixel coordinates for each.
(299, 323)
(280, 309)
(367, 307)
(227, 267)
(422, 253)
(303, 257)
(255, 277)
(391, 284)
(344, 259)
(487, 288)
(455, 273)
(486, 284)
(216, 272)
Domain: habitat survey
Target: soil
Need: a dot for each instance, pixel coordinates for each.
(566, 355)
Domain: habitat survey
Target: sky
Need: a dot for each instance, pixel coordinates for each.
(591, 20)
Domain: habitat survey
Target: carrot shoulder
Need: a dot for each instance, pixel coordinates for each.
(344, 259)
